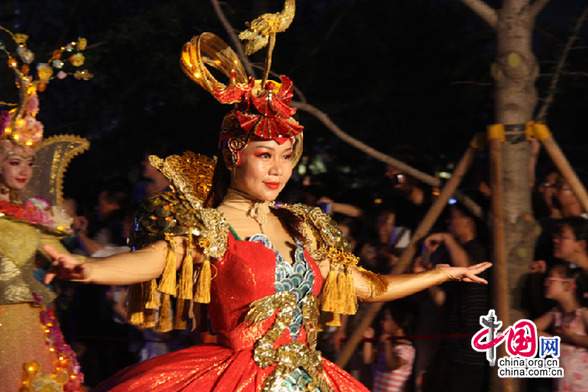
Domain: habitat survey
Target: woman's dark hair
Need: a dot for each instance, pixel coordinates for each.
(221, 180)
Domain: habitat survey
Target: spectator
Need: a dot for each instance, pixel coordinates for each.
(106, 229)
(570, 241)
(153, 180)
(460, 368)
(569, 320)
(395, 354)
(567, 201)
(545, 204)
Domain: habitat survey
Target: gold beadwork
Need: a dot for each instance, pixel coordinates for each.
(290, 356)
(190, 173)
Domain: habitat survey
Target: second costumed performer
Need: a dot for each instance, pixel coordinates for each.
(260, 268)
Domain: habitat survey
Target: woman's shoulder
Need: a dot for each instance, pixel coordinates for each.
(170, 214)
(321, 226)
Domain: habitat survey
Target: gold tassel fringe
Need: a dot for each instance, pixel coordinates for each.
(347, 291)
(164, 323)
(167, 284)
(149, 316)
(186, 285)
(203, 286)
(330, 294)
(151, 295)
(135, 314)
(181, 315)
(334, 320)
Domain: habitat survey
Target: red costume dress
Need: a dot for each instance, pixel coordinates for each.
(250, 271)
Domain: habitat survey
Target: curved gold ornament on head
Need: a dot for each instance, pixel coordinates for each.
(261, 32)
(208, 50)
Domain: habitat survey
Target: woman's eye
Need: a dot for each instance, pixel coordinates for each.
(14, 163)
(264, 155)
(287, 156)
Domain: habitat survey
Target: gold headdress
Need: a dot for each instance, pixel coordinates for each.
(262, 107)
(19, 126)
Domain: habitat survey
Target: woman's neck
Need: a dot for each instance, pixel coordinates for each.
(242, 203)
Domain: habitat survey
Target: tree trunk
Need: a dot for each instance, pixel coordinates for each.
(515, 72)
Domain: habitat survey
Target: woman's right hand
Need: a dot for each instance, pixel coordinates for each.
(65, 266)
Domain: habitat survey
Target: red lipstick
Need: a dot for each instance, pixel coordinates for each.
(272, 185)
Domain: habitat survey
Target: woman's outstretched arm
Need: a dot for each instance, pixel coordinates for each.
(402, 285)
(121, 269)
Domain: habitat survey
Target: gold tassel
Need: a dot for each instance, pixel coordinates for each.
(186, 285)
(330, 293)
(135, 314)
(334, 320)
(164, 322)
(181, 315)
(167, 284)
(151, 296)
(203, 286)
(348, 292)
(149, 316)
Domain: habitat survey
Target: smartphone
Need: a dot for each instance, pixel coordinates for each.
(398, 179)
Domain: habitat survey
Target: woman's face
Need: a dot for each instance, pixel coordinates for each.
(17, 168)
(265, 169)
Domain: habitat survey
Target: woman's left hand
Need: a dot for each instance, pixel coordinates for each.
(467, 274)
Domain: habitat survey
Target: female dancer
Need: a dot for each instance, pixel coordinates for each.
(260, 268)
(33, 354)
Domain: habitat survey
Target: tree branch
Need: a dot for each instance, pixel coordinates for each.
(542, 113)
(409, 170)
(484, 11)
(536, 7)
